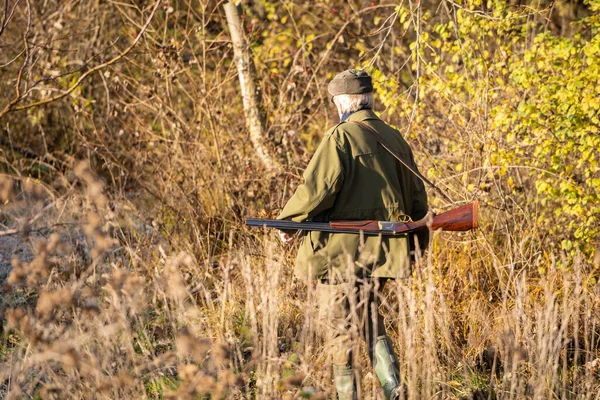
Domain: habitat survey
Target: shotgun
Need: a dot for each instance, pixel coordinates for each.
(463, 218)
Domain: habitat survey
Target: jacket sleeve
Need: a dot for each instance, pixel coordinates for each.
(323, 179)
(419, 208)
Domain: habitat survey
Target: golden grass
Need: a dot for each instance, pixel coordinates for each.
(135, 320)
(143, 282)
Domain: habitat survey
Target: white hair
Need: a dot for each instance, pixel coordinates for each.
(349, 103)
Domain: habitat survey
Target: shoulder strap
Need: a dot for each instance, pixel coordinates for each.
(382, 142)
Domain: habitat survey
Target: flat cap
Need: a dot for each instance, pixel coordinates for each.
(351, 81)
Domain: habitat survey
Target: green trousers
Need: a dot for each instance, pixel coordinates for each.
(348, 312)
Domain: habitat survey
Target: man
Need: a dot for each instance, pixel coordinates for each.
(352, 177)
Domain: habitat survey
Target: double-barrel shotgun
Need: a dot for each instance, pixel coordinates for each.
(463, 218)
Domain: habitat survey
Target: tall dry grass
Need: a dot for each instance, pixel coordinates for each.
(99, 313)
(133, 275)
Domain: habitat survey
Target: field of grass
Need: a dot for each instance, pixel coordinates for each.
(127, 168)
(106, 308)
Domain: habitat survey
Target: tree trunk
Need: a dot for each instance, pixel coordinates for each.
(250, 95)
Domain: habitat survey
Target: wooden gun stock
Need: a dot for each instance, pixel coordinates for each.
(462, 218)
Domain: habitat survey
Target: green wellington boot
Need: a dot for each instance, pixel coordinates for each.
(386, 368)
(345, 384)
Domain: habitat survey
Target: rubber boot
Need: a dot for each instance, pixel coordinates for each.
(386, 368)
(345, 383)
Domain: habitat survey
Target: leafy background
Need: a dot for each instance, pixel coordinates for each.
(127, 171)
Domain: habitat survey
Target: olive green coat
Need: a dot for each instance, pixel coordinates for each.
(352, 177)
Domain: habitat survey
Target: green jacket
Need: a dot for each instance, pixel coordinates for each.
(352, 177)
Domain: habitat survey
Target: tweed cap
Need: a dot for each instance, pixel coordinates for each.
(351, 81)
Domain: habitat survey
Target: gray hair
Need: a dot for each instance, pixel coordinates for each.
(348, 103)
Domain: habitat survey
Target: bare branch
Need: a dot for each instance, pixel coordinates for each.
(394, 16)
(27, 53)
(12, 105)
(6, 16)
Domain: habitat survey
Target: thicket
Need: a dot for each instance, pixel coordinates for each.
(126, 172)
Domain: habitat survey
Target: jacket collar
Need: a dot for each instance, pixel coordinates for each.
(362, 115)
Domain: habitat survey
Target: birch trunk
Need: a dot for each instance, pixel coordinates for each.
(250, 98)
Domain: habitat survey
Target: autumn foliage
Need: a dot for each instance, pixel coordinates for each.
(126, 170)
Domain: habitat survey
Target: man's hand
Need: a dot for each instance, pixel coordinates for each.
(285, 237)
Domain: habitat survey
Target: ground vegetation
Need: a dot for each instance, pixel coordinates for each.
(127, 168)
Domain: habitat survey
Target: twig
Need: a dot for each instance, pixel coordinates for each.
(7, 17)
(395, 16)
(494, 167)
(37, 216)
(4, 17)
(11, 106)
(27, 53)
(417, 23)
(6, 142)
(69, 36)
(475, 12)
(333, 41)
(10, 232)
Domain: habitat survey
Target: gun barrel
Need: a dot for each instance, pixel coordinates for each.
(287, 225)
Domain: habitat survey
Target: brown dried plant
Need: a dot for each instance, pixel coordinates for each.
(131, 275)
